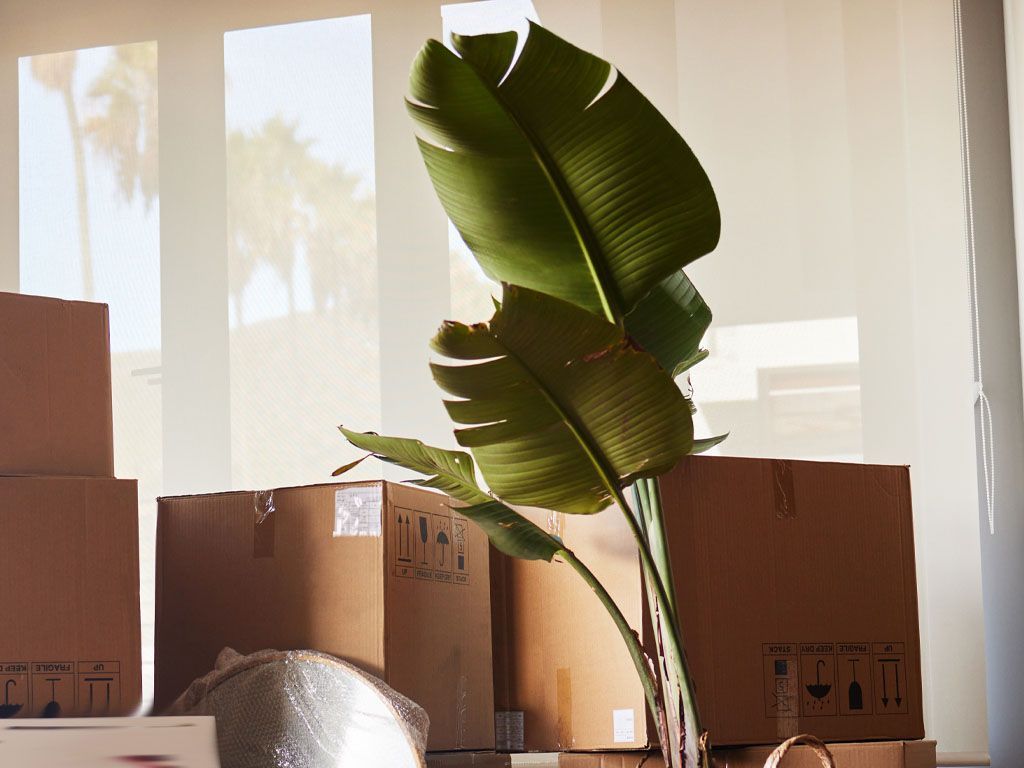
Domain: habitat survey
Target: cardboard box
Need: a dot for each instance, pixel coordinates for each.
(558, 656)
(797, 591)
(382, 575)
(883, 754)
(55, 413)
(69, 597)
(468, 760)
(886, 754)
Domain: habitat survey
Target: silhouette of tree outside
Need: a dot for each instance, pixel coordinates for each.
(125, 131)
(284, 203)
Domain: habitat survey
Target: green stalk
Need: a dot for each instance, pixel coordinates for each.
(648, 493)
(674, 645)
(629, 636)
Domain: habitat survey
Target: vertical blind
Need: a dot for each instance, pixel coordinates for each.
(256, 213)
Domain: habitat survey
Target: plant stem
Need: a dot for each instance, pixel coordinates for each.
(650, 496)
(632, 640)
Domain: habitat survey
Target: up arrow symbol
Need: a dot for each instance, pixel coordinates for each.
(885, 689)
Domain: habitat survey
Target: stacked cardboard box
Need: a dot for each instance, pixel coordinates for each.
(385, 576)
(797, 592)
(69, 573)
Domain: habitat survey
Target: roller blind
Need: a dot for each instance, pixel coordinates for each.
(260, 221)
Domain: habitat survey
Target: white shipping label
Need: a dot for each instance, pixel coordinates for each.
(623, 730)
(508, 731)
(357, 511)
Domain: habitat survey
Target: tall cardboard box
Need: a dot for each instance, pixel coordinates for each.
(55, 412)
(797, 593)
(385, 576)
(69, 597)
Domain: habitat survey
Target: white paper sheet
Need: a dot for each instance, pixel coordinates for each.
(113, 742)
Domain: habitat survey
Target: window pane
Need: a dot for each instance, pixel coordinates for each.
(471, 288)
(772, 129)
(90, 229)
(301, 247)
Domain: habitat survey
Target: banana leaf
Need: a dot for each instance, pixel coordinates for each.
(559, 408)
(558, 173)
(454, 473)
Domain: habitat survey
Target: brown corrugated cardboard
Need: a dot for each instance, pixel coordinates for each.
(885, 754)
(385, 576)
(566, 667)
(468, 760)
(69, 596)
(798, 599)
(796, 586)
(55, 413)
(882, 754)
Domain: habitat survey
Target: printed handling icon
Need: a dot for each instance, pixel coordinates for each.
(7, 709)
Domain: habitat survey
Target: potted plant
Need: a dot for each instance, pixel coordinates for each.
(582, 200)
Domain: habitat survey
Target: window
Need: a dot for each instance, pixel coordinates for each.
(241, 337)
(302, 247)
(90, 227)
(471, 288)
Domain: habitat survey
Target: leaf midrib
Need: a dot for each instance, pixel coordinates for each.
(611, 301)
(578, 431)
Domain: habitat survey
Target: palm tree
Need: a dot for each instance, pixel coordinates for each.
(266, 218)
(57, 72)
(284, 201)
(125, 131)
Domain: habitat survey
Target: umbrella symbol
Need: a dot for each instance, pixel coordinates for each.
(7, 709)
(442, 539)
(818, 689)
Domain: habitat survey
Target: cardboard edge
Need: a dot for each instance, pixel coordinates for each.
(912, 604)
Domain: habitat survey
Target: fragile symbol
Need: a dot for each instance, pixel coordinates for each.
(885, 682)
(424, 536)
(855, 694)
(52, 709)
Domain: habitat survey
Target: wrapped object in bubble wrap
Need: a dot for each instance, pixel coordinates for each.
(305, 709)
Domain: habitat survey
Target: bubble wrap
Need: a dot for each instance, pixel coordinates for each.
(304, 709)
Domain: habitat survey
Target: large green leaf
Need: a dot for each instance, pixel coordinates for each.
(670, 322)
(561, 409)
(454, 473)
(559, 174)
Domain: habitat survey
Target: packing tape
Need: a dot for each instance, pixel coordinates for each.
(263, 524)
(563, 687)
(785, 498)
(556, 524)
